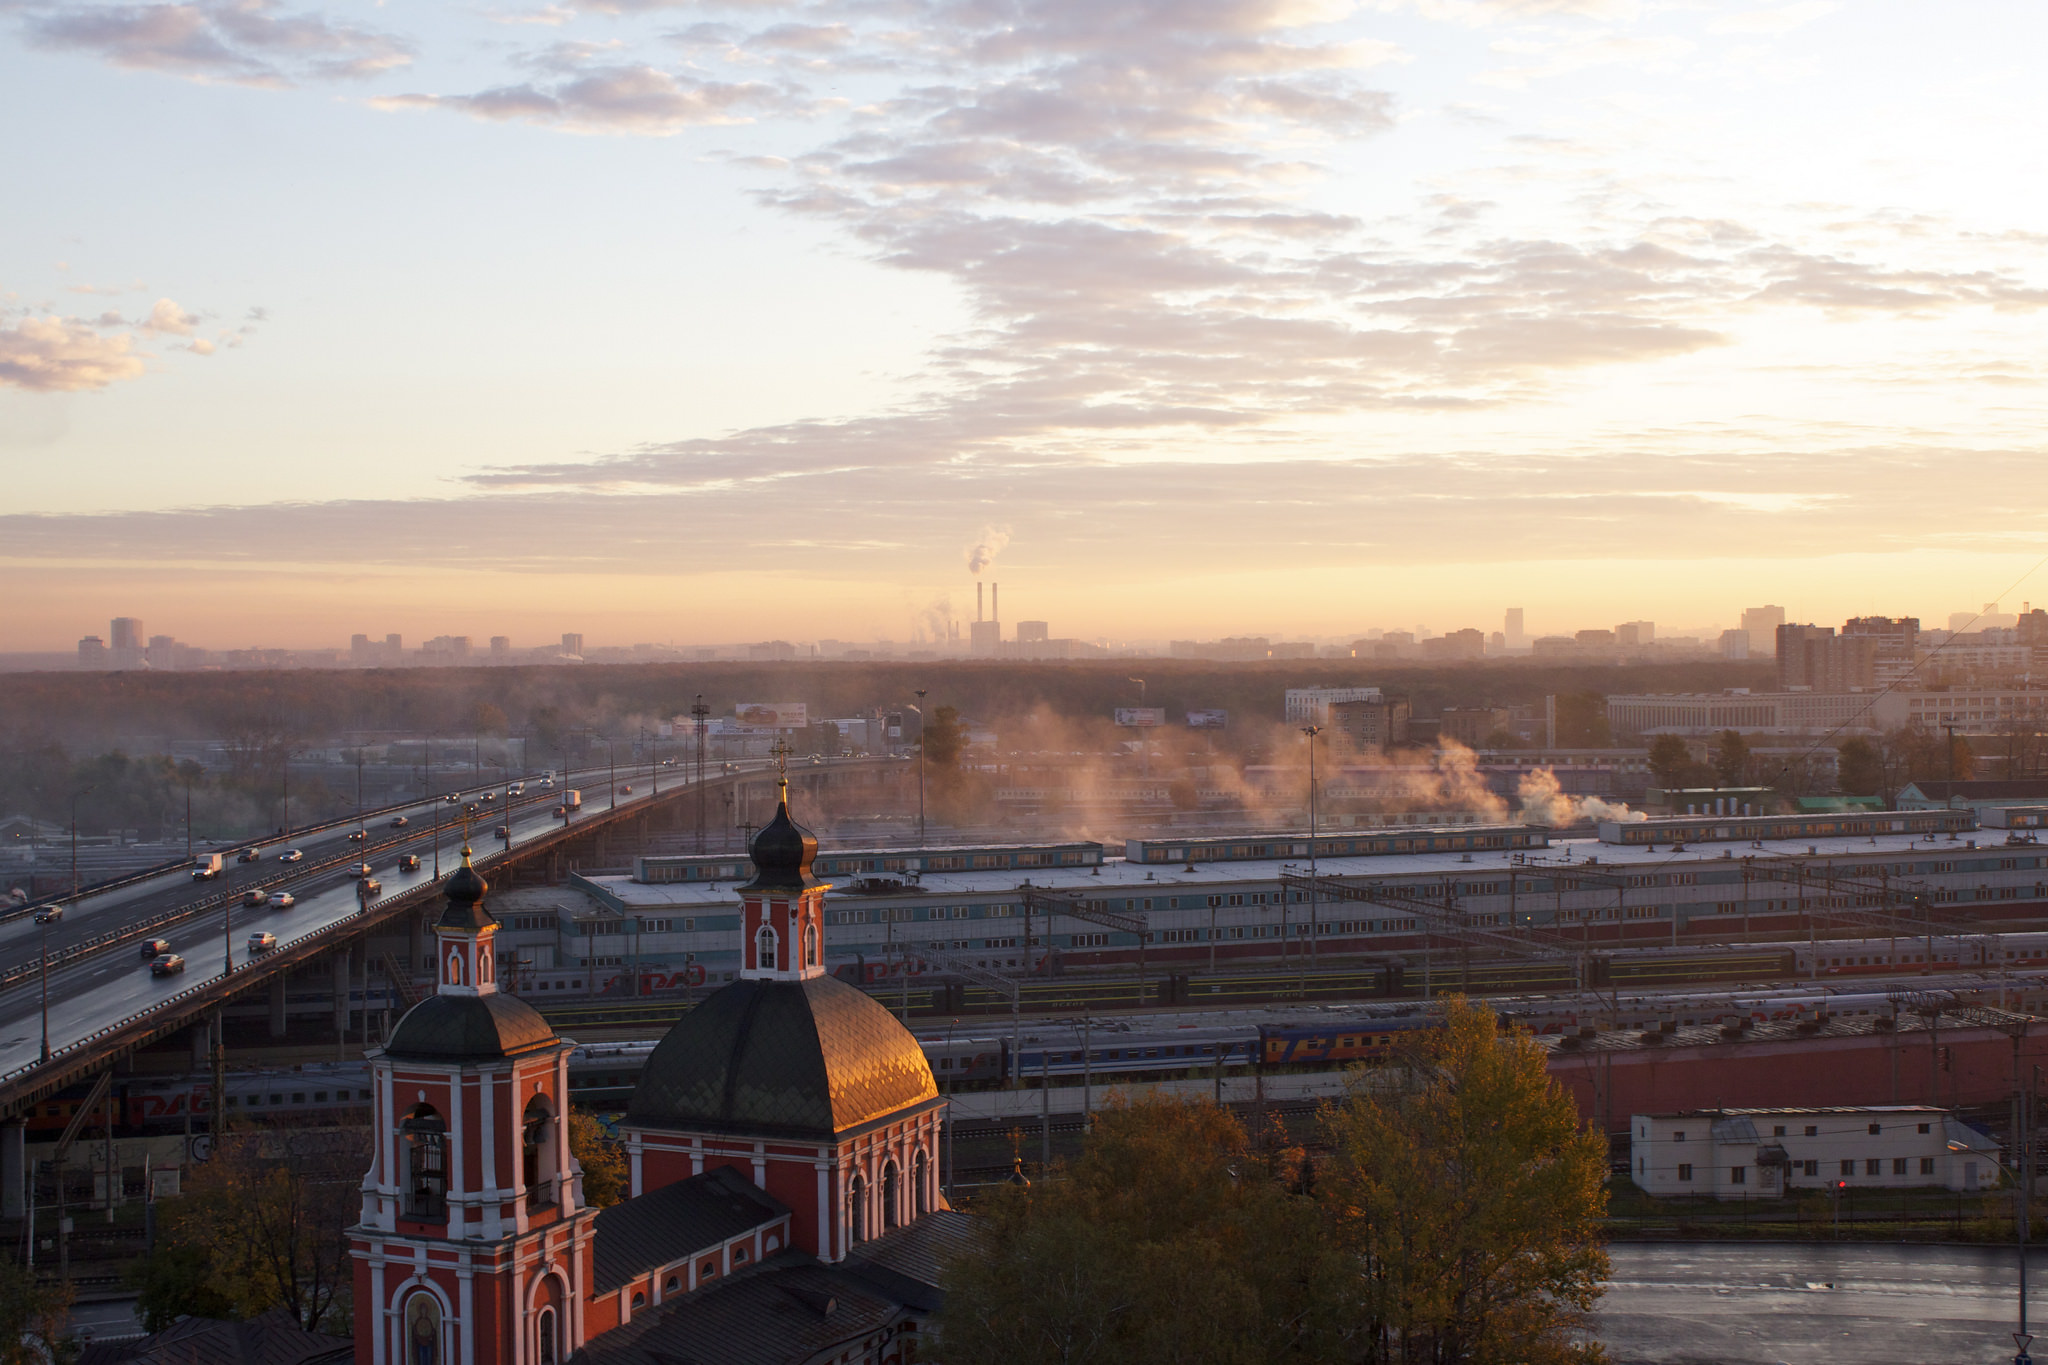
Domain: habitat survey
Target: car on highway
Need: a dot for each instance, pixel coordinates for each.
(561, 811)
(254, 896)
(370, 886)
(547, 782)
(166, 965)
(249, 855)
(359, 871)
(291, 855)
(452, 797)
(488, 796)
(155, 947)
(516, 789)
(282, 900)
(49, 914)
(399, 822)
(503, 832)
(262, 941)
(625, 790)
(356, 836)
(469, 809)
(409, 863)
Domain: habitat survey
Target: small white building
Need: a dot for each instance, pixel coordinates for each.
(1767, 1153)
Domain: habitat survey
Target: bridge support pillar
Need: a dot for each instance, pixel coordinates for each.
(343, 979)
(202, 1043)
(277, 1005)
(418, 948)
(14, 1170)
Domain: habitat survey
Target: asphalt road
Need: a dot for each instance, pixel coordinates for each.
(1726, 1303)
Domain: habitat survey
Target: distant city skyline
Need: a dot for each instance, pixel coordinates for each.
(1184, 319)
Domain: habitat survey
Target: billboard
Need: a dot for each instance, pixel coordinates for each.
(771, 715)
(1140, 717)
(1208, 720)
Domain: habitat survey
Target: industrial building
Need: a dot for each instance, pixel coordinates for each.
(1767, 1153)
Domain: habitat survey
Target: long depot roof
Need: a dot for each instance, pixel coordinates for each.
(1119, 877)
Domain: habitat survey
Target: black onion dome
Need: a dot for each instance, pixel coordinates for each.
(782, 854)
(806, 1059)
(465, 892)
(459, 1028)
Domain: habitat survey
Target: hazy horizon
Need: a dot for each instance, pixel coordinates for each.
(653, 320)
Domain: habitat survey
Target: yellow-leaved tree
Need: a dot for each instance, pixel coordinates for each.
(1470, 1199)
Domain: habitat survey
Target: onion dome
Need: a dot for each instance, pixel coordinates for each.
(465, 892)
(806, 1059)
(782, 853)
(469, 1028)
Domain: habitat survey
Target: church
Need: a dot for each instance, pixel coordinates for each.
(782, 1145)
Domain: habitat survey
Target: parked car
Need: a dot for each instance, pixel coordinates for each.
(155, 947)
(262, 941)
(291, 855)
(399, 822)
(249, 855)
(409, 863)
(166, 965)
(49, 914)
(254, 897)
(282, 900)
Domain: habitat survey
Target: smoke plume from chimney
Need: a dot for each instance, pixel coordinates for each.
(987, 547)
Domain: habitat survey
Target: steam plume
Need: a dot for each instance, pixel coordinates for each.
(990, 544)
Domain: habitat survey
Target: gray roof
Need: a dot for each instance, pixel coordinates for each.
(272, 1338)
(806, 1059)
(678, 1220)
(788, 1310)
(455, 1028)
(920, 1250)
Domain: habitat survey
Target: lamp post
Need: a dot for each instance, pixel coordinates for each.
(82, 791)
(919, 708)
(2021, 1339)
(1314, 898)
(698, 712)
(46, 990)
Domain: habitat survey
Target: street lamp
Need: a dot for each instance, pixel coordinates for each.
(82, 791)
(2023, 1139)
(1314, 898)
(698, 711)
(919, 708)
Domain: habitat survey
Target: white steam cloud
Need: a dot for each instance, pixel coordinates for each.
(987, 547)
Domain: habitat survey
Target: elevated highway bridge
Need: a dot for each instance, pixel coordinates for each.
(73, 1011)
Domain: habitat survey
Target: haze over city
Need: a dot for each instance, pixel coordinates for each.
(701, 322)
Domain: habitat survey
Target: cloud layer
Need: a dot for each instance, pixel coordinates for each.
(255, 42)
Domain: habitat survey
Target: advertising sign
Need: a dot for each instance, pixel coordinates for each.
(771, 715)
(1208, 720)
(1140, 717)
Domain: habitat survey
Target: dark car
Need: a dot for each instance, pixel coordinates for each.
(370, 886)
(155, 947)
(249, 855)
(409, 863)
(503, 832)
(356, 836)
(167, 964)
(399, 822)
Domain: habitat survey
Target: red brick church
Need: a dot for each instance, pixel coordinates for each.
(783, 1143)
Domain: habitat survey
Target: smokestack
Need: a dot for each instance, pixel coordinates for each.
(995, 603)
(977, 599)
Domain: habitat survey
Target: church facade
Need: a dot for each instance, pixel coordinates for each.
(782, 1144)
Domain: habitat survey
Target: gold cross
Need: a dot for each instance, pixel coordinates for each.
(780, 749)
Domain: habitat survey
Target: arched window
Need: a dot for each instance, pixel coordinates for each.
(920, 1179)
(423, 1330)
(537, 1153)
(454, 967)
(426, 1186)
(857, 1210)
(811, 945)
(483, 965)
(764, 949)
(550, 1346)
(892, 1190)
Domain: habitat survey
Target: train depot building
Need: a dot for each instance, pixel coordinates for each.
(1769, 1153)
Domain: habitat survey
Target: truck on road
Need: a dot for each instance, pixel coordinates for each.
(572, 800)
(205, 866)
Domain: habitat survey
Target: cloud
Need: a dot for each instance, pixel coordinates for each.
(59, 355)
(249, 41)
(169, 319)
(613, 99)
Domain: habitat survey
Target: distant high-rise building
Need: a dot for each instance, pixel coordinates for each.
(572, 644)
(124, 644)
(1635, 634)
(984, 636)
(1027, 631)
(394, 650)
(1762, 624)
(162, 652)
(92, 653)
(501, 648)
(1817, 659)
(1514, 632)
(361, 653)
(1735, 644)
(1311, 705)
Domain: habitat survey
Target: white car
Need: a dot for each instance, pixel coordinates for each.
(291, 855)
(282, 900)
(262, 941)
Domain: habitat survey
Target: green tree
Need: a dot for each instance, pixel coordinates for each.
(602, 1157)
(33, 1317)
(942, 740)
(1470, 1199)
(175, 1281)
(1171, 1239)
(1669, 760)
(1582, 721)
(1731, 759)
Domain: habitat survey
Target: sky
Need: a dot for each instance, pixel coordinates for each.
(700, 322)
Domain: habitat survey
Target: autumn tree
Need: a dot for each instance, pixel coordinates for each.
(267, 1215)
(1731, 759)
(1669, 760)
(1582, 721)
(33, 1319)
(1859, 770)
(602, 1157)
(1172, 1238)
(1470, 1200)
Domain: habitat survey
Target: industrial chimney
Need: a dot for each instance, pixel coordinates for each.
(977, 599)
(995, 603)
